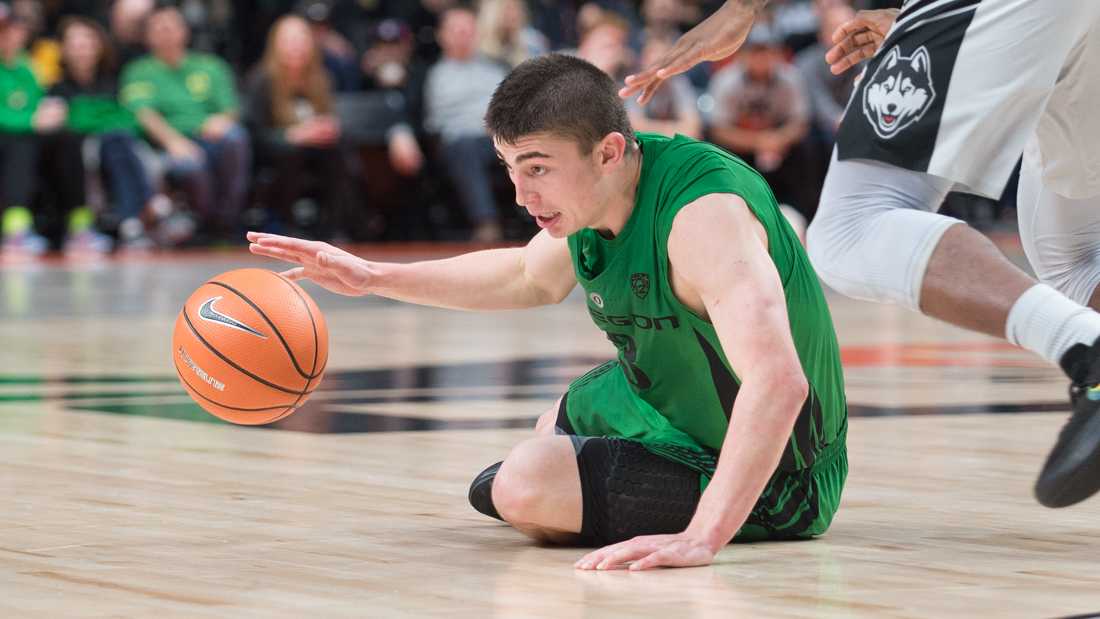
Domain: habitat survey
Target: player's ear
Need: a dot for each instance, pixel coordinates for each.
(611, 148)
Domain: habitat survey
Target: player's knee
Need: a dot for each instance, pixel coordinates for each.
(517, 489)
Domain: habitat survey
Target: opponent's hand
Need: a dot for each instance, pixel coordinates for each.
(648, 551)
(714, 38)
(331, 267)
(859, 38)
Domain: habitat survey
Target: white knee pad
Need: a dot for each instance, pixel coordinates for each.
(1060, 235)
(875, 230)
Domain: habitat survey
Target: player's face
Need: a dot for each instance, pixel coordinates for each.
(557, 184)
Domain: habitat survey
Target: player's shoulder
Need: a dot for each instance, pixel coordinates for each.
(680, 154)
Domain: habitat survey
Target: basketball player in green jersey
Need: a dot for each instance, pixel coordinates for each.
(724, 415)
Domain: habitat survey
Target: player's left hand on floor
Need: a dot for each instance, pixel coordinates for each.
(648, 551)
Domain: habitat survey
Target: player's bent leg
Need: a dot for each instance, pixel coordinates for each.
(629, 491)
(481, 488)
(537, 489)
(593, 491)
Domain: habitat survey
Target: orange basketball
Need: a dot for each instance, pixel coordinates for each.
(250, 346)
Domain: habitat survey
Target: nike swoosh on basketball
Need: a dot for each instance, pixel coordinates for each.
(208, 313)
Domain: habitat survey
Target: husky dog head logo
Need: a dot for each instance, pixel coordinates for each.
(899, 92)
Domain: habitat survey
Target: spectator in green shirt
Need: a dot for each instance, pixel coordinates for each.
(186, 103)
(23, 113)
(89, 87)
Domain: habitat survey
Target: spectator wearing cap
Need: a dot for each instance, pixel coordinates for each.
(505, 33)
(187, 105)
(389, 68)
(762, 114)
(456, 96)
(290, 113)
(23, 113)
(338, 54)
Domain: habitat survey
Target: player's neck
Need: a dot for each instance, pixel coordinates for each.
(621, 205)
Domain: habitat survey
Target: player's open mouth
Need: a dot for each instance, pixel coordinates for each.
(546, 220)
(889, 118)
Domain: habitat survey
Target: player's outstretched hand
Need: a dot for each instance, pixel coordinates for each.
(859, 38)
(714, 38)
(647, 551)
(331, 267)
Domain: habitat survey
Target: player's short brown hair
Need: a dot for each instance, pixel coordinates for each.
(561, 95)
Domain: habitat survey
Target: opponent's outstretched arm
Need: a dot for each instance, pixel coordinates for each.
(714, 38)
(723, 33)
(744, 299)
(540, 273)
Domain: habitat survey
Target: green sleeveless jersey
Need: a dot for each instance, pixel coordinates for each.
(671, 357)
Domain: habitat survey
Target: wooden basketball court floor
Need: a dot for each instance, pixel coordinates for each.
(123, 499)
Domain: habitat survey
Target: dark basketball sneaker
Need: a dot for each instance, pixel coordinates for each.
(481, 491)
(1072, 470)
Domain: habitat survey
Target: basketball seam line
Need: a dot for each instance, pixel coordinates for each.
(312, 323)
(215, 402)
(258, 379)
(286, 347)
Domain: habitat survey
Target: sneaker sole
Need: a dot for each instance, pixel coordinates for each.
(1072, 490)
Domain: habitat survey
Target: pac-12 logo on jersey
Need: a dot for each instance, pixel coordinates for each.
(899, 92)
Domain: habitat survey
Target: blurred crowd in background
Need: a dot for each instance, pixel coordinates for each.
(134, 124)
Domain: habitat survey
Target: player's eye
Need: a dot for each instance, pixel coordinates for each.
(536, 170)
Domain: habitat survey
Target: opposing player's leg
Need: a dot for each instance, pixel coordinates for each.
(876, 237)
(1059, 211)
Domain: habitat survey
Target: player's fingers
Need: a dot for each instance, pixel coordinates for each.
(289, 242)
(649, 91)
(624, 555)
(663, 557)
(849, 28)
(590, 560)
(639, 81)
(641, 78)
(851, 60)
(628, 91)
(857, 40)
(274, 252)
(294, 274)
(684, 56)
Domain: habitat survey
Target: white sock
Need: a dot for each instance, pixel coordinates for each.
(1047, 323)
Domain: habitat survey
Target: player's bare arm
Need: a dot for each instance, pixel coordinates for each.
(540, 273)
(716, 37)
(741, 288)
(859, 38)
